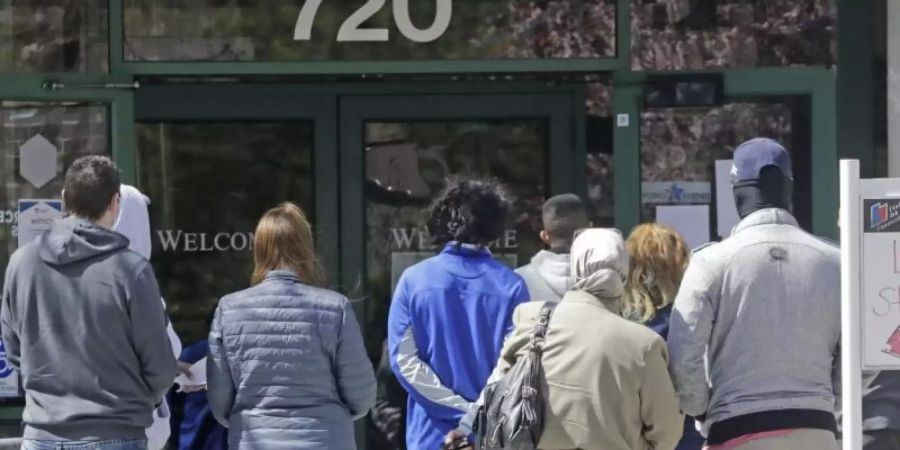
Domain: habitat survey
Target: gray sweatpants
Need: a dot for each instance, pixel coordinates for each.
(796, 440)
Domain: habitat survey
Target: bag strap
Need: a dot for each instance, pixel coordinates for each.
(542, 325)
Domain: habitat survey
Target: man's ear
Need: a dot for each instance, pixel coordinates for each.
(545, 237)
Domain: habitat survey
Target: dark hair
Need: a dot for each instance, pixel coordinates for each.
(562, 215)
(470, 211)
(91, 184)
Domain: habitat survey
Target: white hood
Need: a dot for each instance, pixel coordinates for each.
(134, 220)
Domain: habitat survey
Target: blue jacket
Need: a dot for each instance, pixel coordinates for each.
(691, 438)
(287, 367)
(193, 423)
(448, 319)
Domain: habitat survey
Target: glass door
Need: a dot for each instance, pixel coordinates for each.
(396, 155)
(213, 160)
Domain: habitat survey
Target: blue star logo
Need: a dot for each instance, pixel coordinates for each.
(676, 193)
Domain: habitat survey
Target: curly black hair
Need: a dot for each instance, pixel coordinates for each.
(470, 211)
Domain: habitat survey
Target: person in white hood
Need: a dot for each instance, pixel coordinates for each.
(547, 276)
(134, 223)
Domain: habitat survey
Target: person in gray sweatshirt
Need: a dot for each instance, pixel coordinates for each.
(83, 324)
(755, 330)
(547, 276)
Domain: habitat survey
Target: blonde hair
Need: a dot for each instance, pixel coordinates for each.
(284, 240)
(659, 257)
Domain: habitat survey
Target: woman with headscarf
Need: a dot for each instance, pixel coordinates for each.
(607, 385)
(134, 223)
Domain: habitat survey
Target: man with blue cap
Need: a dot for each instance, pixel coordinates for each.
(754, 335)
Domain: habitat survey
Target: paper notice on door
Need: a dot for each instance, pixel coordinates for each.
(726, 211)
(36, 217)
(692, 221)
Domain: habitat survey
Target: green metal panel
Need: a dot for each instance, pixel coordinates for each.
(372, 67)
(116, 37)
(855, 79)
(627, 155)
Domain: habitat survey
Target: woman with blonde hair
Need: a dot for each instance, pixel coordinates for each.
(659, 257)
(287, 367)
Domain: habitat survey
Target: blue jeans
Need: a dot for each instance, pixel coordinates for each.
(116, 444)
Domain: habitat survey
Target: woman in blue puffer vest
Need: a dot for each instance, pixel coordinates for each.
(287, 368)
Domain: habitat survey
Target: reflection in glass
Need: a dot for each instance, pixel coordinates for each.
(210, 30)
(209, 183)
(679, 147)
(54, 36)
(699, 34)
(407, 164)
(51, 137)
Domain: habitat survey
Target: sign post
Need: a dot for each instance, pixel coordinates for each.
(870, 287)
(851, 364)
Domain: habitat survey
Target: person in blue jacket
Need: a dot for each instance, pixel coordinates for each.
(450, 313)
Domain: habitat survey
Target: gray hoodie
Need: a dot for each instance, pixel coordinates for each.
(547, 276)
(83, 325)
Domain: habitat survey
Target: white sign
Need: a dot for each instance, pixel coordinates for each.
(9, 379)
(726, 211)
(35, 218)
(881, 282)
(352, 31)
(691, 221)
(654, 192)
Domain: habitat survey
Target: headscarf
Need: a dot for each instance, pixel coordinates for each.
(134, 220)
(600, 263)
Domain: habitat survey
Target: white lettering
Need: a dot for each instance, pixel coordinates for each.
(243, 239)
(190, 242)
(511, 239)
(303, 28)
(169, 242)
(442, 16)
(351, 31)
(221, 247)
(203, 246)
(403, 237)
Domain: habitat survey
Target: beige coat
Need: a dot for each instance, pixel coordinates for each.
(608, 387)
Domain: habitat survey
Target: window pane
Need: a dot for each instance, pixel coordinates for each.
(209, 183)
(247, 30)
(697, 34)
(38, 142)
(407, 164)
(599, 137)
(54, 36)
(679, 148)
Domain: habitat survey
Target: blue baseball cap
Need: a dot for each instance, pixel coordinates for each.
(751, 156)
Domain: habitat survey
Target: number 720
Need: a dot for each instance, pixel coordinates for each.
(351, 31)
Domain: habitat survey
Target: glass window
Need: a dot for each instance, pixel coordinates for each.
(698, 34)
(209, 183)
(54, 36)
(679, 147)
(599, 139)
(249, 30)
(407, 164)
(38, 143)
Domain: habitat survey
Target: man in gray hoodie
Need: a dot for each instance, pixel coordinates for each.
(547, 276)
(83, 324)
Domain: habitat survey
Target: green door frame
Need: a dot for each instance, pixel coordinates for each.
(817, 84)
(261, 103)
(356, 110)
